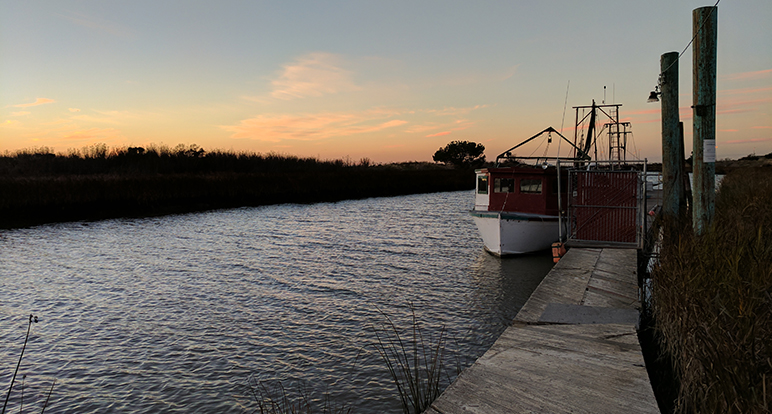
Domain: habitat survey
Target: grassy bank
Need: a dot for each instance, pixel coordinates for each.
(39, 186)
(712, 301)
(727, 165)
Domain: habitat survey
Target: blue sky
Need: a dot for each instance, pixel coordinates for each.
(390, 81)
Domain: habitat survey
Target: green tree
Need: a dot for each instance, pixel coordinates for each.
(461, 154)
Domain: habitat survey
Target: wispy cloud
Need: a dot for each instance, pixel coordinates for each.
(645, 112)
(744, 91)
(454, 78)
(99, 24)
(66, 130)
(313, 75)
(759, 74)
(748, 141)
(762, 127)
(310, 127)
(452, 111)
(732, 106)
(444, 126)
(110, 117)
(510, 72)
(74, 110)
(725, 106)
(317, 126)
(39, 101)
(20, 113)
(425, 127)
(93, 134)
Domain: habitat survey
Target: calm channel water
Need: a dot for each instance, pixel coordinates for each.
(174, 314)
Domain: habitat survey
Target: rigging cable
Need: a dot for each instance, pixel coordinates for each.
(549, 140)
(635, 147)
(562, 122)
(557, 167)
(536, 149)
(581, 128)
(702, 23)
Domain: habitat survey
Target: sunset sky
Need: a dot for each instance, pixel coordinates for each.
(387, 80)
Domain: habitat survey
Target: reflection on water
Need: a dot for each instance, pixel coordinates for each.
(173, 314)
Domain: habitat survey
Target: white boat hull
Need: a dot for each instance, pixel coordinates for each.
(516, 233)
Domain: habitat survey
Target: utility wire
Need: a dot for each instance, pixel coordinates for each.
(702, 23)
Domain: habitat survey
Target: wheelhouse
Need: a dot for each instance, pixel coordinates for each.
(523, 189)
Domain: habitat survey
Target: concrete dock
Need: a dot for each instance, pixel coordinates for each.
(573, 347)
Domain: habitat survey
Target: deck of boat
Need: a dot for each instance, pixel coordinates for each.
(572, 348)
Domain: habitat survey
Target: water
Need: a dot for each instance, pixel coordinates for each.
(174, 314)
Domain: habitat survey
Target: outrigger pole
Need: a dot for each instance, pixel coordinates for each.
(507, 155)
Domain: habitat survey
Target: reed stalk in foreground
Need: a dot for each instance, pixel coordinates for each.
(32, 319)
(277, 400)
(712, 301)
(416, 366)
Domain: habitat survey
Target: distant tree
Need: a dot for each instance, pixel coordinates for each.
(461, 154)
(135, 150)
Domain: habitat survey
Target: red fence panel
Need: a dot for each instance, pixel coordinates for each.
(604, 206)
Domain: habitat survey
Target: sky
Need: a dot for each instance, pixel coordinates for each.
(390, 81)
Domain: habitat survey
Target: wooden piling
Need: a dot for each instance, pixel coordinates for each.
(705, 29)
(672, 141)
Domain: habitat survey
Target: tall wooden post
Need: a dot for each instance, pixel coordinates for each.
(705, 30)
(686, 185)
(672, 141)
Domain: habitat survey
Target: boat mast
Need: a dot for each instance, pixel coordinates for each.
(611, 112)
(591, 131)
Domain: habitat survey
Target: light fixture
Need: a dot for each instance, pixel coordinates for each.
(654, 95)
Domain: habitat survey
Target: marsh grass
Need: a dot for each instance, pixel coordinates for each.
(38, 186)
(275, 398)
(712, 301)
(416, 364)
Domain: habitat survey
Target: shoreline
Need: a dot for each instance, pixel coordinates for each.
(31, 201)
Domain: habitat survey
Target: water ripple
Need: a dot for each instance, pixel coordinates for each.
(174, 314)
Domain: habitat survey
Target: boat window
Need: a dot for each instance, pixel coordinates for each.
(504, 185)
(482, 185)
(532, 186)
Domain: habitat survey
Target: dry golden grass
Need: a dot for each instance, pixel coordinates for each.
(712, 300)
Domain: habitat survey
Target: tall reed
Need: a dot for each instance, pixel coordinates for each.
(417, 366)
(32, 319)
(712, 301)
(276, 399)
(37, 186)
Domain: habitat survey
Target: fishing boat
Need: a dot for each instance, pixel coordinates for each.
(516, 207)
(520, 204)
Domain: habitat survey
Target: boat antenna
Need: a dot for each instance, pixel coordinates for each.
(557, 167)
(563, 121)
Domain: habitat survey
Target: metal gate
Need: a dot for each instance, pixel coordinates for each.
(606, 208)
